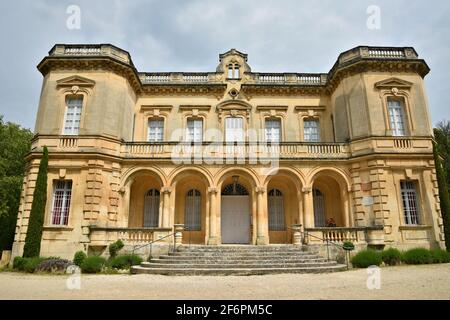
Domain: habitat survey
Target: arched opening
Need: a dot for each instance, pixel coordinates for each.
(329, 199)
(282, 206)
(145, 206)
(236, 211)
(190, 205)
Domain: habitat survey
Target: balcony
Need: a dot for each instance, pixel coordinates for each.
(220, 150)
(89, 50)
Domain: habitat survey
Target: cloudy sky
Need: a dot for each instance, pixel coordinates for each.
(188, 35)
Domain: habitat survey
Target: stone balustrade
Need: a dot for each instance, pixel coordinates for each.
(130, 236)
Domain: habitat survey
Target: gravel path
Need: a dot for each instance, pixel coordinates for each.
(406, 282)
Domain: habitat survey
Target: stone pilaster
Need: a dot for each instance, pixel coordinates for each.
(263, 219)
(213, 237)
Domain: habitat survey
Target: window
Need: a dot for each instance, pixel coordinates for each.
(319, 208)
(155, 130)
(151, 209)
(396, 117)
(62, 192)
(273, 130)
(311, 130)
(233, 71)
(192, 214)
(410, 204)
(276, 211)
(194, 130)
(234, 129)
(72, 116)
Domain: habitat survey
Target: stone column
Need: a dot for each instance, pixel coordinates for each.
(165, 221)
(345, 203)
(308, 211)
(213, 238)
(263, 221)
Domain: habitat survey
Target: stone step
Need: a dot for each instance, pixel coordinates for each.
(236, 261)
(236, 266)
(241, 248)
(216, 255)
(235, 271)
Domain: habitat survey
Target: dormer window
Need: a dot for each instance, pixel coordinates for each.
(233, 71)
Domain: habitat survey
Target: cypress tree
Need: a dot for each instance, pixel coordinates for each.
(32, 246)
(443, 195)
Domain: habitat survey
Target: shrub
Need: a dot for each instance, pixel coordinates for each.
(31, 264)
(348, 245)
(53, 265)
(18, 263)
(417, 256)
(92, 264)
(79, 257)
(114, 248)
(391, 256)
(125, 261)
(33, 238)
(440, 256)
(366, 258)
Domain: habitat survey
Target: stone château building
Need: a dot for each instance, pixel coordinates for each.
(235, 156)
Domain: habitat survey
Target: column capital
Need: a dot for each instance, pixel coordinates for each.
(306, 189)
(260, 190)
(166, 190)
(213, 190)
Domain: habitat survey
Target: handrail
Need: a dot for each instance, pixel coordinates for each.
(151, 243)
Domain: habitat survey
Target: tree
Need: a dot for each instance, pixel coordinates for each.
(32, 246)
(443, 195)
(442, 137)
(14, 145)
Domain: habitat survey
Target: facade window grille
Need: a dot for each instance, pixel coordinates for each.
(62, 193)
(410, 203)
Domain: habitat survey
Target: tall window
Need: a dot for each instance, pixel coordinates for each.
(276, 211)
(273, 130)
(311, 132)
(410, 204)
(397, 117)
(234, 129)
(194, 130)
(319, 208)
(62, 192)
(192, 213)
(151, 208)
(155, 130)
(72, 116)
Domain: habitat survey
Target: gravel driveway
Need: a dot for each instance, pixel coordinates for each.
(406, 282)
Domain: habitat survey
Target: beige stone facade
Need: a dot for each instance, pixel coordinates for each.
(349, 155)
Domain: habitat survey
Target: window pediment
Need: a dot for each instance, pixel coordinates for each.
(234, 108)
(75, 81)
(393, 83)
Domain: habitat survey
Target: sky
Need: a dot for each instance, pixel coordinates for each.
(188, 35)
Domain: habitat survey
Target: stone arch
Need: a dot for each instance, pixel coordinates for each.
(339, 174)
(183, 170)
(297, 177)
(250, 174)
(133, 172)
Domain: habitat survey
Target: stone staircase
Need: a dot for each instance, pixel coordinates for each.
(238, 260)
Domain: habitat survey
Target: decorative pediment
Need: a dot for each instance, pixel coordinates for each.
(234, 108)
(75, 81)
(393, 83)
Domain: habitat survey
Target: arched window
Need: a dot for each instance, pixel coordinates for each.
(193, 213)
(151, 209)
(276, 211)
(234, 189)
(319, 209)
(233, 71)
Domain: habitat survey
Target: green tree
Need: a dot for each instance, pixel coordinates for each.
(443, 196)
(32, 246)
(442, 137)
(14, 145)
